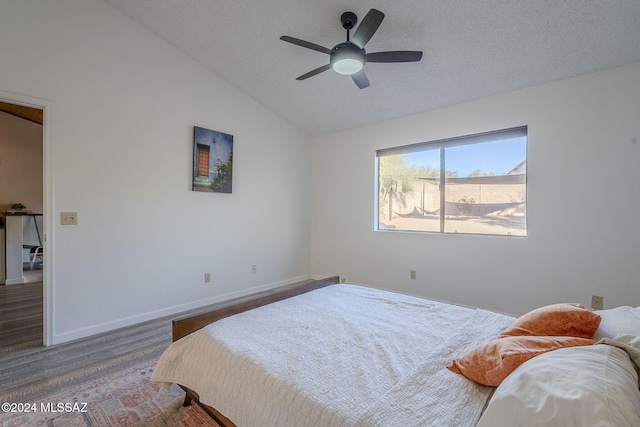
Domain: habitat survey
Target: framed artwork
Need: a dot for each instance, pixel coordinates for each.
(212, 161)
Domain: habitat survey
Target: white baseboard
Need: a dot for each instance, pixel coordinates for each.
(176, 309)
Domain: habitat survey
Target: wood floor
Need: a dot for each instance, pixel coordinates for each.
(28, 370)
(20, 316)
(34, 373)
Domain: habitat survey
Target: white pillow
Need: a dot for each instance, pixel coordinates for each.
(578, 386)
(617, 322)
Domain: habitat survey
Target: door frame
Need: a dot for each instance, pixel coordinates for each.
(48, 295)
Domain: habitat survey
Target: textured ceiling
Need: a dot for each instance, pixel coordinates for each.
(471, 49)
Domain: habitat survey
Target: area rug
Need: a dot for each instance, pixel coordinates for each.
(124, 399)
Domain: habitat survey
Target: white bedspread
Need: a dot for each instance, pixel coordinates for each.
(344, 355)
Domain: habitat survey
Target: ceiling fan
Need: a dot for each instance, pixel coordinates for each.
(349, 57)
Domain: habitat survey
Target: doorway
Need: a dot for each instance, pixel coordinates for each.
(25, 303)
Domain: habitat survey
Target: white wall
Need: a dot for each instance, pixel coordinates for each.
(20, 163)
(583, 153)
(21, 173)
(123, 106)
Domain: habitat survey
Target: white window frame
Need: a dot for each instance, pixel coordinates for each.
(443, 144)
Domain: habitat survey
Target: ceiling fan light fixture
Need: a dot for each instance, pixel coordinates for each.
(347, 59)
(347, 66)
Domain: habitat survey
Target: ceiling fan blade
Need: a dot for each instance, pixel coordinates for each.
(361, 79)
(306, 44)
(314, 72)
(395, 56)
(367, 28)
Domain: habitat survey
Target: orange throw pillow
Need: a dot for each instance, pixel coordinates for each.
(491, 362)
(570, 320)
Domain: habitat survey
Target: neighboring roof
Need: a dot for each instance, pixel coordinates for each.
(519, 168)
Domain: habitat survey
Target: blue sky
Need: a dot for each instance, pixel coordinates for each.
(497, 157)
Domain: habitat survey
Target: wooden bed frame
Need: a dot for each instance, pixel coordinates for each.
(184, 326)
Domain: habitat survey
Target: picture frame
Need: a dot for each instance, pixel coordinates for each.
(212, 161)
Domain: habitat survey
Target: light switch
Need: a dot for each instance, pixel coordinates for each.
(68, 218)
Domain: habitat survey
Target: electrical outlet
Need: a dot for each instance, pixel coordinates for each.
(207, 277)
(412, 274)
(68, 218)
(597, 302)
(343, 280)
(254, 269)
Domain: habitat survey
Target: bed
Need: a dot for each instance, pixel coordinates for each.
(331, 354)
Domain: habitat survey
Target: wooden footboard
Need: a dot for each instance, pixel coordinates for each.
(187, 325)
(211, 411)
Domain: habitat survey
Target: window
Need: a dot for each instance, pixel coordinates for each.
(472, 184)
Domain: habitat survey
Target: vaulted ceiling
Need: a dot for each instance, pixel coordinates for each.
(471, 48)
